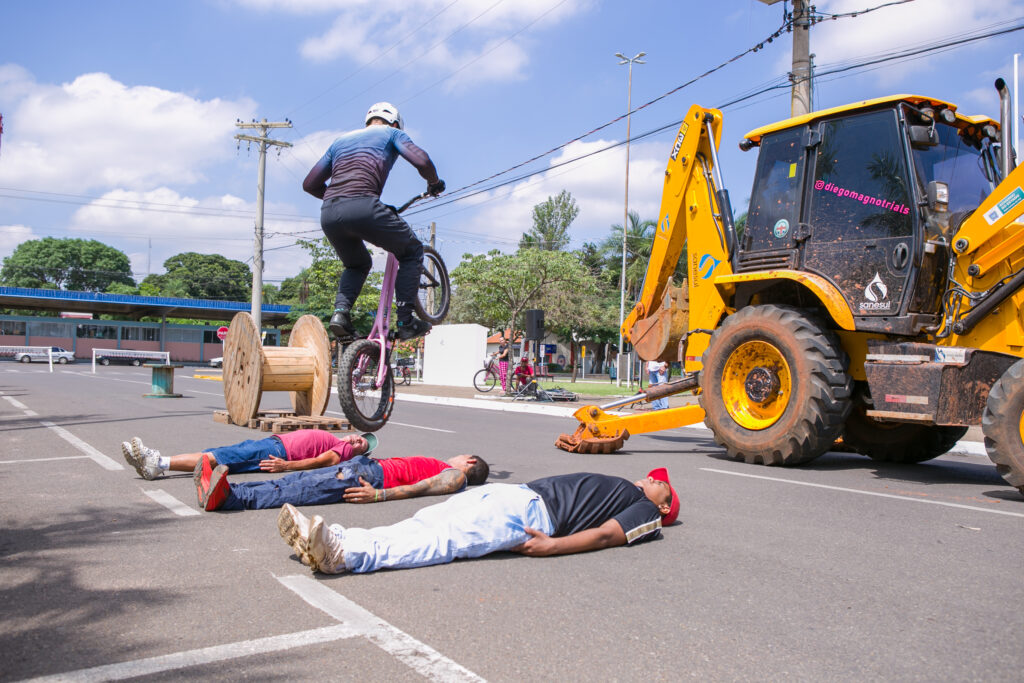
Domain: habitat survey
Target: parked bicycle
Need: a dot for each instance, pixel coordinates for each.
(486, 379)
(403, 373)
(366, 383)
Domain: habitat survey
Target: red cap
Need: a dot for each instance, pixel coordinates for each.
(661, 474)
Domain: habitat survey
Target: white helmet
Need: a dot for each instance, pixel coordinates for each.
(386, 111)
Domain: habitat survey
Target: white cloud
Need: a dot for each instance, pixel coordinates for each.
(153, 225)
(96, 132)
(898, 27)
(596, 183)
(478, 39)
(13, 235)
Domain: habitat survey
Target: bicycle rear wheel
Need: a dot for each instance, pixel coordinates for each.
(435, 289)
(484, 380)
(366, 404)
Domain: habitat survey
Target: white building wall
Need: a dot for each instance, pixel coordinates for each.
(453, 353)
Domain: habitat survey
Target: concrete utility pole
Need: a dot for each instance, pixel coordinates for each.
(257, 258)
(625, 218)
(800, 76)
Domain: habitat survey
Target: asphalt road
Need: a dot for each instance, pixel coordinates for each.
(844, 569)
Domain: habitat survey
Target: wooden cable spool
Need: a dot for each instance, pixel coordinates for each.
(302, 368)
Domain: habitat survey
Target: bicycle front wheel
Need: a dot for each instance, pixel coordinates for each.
(406, 377)
(366, 403)
(435, 289)
(484, 380)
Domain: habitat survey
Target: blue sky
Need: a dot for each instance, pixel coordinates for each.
(119, 116)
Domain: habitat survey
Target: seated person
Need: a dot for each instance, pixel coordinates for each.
(523, 372)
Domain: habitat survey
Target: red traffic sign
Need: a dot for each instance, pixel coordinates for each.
(222, 333)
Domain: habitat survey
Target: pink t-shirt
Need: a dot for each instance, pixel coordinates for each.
(404, 471)
(303, 444)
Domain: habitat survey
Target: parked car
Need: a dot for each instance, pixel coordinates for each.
(120, 360)
(60, 355)
(217, 362)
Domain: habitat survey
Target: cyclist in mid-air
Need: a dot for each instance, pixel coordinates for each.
(357, 165)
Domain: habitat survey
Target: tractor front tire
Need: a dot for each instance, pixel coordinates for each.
(774, 386)
(1003, 425)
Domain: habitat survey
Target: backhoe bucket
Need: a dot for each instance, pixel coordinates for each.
(582, 441)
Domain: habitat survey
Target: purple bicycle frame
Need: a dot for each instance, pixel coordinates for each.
(382, 321)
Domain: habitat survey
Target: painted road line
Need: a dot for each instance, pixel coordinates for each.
(15, 402)
(171, 503)
(423, 659)
(402, 424)
(100, 459)
(867, 493)
(206, 655)
(34, 460)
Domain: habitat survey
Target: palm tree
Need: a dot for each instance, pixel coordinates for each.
(639, 239)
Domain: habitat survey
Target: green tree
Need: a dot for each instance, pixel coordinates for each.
(551, 220)
(203, 276)
(639, 239)
(493, 289)
(69, 263)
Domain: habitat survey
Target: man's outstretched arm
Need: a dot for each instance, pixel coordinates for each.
(608, 535)
(447, 481)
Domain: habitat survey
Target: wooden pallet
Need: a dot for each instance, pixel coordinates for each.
(278, 421)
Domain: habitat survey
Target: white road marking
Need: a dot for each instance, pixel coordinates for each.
(15, 402)
(206, 655)
(867, 493)
(402, 424)
(422, 658)
(100, 459)
(171, 503)
(32, 460)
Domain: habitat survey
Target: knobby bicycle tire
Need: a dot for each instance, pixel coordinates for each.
(366, 405)
(435, 288)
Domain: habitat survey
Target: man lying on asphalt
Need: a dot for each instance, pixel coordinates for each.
(302, 449)
(569, 513)
(357, 480)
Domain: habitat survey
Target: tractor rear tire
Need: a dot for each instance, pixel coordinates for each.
(900, 442)
(774, 386)
(1003, 424)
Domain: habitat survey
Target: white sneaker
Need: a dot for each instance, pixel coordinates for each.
(326, 553)
(129, 456)
(294, 529)
(150, 468)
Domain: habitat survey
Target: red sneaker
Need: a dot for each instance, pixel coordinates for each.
(201, 477)
(218, 489)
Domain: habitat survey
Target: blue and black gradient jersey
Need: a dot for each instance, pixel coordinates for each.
(577, 502)
(359, 162)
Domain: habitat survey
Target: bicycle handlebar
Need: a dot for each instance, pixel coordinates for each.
(412, 201)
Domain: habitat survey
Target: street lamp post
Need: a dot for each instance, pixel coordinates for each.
(625, 218)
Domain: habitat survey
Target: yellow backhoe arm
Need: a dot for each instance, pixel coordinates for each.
(689, 218)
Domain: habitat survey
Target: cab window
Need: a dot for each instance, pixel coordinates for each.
(775, 197)
(957, 163)
(860, 189)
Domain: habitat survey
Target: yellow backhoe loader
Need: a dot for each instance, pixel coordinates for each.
(875, 293)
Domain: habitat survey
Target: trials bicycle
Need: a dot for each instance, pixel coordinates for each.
(366, 383)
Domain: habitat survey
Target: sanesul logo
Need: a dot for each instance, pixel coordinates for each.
(876, 294)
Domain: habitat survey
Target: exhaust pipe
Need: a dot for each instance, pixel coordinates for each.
(1006, 123)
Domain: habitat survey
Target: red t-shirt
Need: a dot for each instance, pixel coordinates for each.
(404, 471)
(303, 444)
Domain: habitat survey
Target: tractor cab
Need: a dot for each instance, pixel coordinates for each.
(867, 196)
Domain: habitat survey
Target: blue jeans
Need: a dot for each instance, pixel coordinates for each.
(658, 378)
(246, 456)
(315, 487)
(474, 523)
